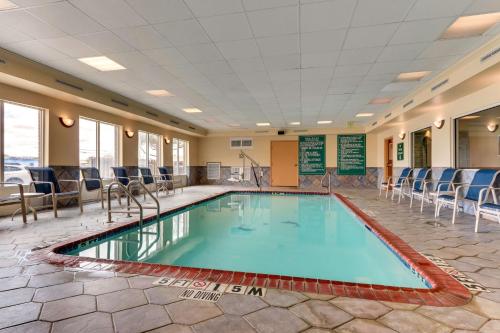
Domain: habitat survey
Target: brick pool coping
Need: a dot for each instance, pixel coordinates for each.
(444, 291)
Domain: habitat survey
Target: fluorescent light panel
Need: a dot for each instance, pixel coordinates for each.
(160, 93)
(470, 117)
(322, 122)
(6, 5)
(263, 124)
(381, 100)
(102, 63)
(468, 26)
(363, 114)
(192, 110)
(412, 76)
(295, 123)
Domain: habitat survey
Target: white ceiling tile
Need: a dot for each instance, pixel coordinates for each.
(240, 49)
(420, 31)
(318, 73)
(183, 32)
(213, 69)
(28, 24)
(11, 35)
(142, 38)
(105, 42)
(326, 15)
(166, 56)
(214, 7)
(402, 52)
(370, 36)
(359, 56)
(278, 45)
(281, 62)
(276, 21)
(110, 13)
(247, 65)
(392, 67)
(426, 9)
(198, 53)
(369, 12)
(432, 64)
(326, 59)
(71, 47)
(157, 11)
(360, 69)
(399, 86)
(67, 18)
(451, 47)
(286, 75)
(483, 7)
(314, 42)
(264, 4)
(30, 3)
(36, 50)
(227, 27)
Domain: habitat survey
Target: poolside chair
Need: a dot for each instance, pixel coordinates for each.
(429, 192)
(483, 179)
(159, 183)
(404, 178)
(92, 180)
(484, 207)
(16, 199)
(44, 180)
(418, 184)
(170, 179)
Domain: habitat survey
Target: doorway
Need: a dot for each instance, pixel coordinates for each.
(388, 156)
(284, 163)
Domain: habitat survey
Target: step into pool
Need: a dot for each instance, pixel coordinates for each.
(309, 236)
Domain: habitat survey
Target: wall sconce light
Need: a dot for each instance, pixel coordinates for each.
(439, 123)
(167, 140)
(402, 135)
(492, 127)
(129, 134)
(66, 122)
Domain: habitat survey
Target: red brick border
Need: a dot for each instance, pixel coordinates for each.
(445, 290)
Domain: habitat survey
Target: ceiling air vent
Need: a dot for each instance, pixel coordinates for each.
(152, 114)
(374, 123)
(490, 54)
(69, 85)
(439, 85)
(174, 122)
(2, 61)
(191, 127)
(388, 115)
(410, 102)
(119, 102)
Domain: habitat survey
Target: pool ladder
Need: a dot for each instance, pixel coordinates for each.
(130, 197)
(328, 176)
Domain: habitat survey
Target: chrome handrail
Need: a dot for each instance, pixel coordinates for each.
(244, 155)
(329, 181)
(146, 191)
(129, 196)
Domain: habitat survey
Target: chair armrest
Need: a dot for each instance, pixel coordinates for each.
(20, 186)
(52, 189)
(136, 177)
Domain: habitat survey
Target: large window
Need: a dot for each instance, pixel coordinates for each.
(180, 156)
(477, 140)
(422, 148)
(21, 138)
(149, 151)
(99, 145)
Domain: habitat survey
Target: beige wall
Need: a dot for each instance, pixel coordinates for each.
(62, 143)
(216, 148)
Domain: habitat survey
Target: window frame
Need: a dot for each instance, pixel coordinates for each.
(41, 134)
(412, 143)
(98, 141)
(186, 157)
(159, 149)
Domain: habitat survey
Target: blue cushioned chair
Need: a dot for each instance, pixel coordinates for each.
(418, 184)
(403, 178)
(484, 207)
(92, 180)
(44, 180)
(432, 189)
(121, 175)
(158, 181)
(169, 179)
(483, 179)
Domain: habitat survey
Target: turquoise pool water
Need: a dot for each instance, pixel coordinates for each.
(310, 236)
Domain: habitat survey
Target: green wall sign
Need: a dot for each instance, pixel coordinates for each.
(351, 154)
(312, 155)
(401, 151)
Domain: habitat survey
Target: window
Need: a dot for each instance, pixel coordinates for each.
(149, 151)
(422, 148)
(180, 156)
(240, 143)
(21, 128)
(477, 140)
(99, 145)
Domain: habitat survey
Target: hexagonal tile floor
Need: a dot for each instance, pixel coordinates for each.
(38, 297)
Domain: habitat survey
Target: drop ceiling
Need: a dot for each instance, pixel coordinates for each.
(249, 61)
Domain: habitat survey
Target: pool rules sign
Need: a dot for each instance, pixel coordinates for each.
(312, 155)
(351, 154)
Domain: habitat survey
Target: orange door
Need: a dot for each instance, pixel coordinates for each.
(284, 163)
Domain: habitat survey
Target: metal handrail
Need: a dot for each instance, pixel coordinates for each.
(129, 196)
(146, 191)
(244, 155)
(329, 181)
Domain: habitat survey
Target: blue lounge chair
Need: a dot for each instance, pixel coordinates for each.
(429, 192)
(418, 184)
(484, 207)
(44, 180)
(403, 178)
(92, 180)
(158, 181)
(169, 178)
(483, 179)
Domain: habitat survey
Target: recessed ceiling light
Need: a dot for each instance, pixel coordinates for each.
(412, 76)
(104, 64)
(468, 26)
(362, 114)
(295, 123)
(381, 100)
(470, 117)
(192, 110)
(160, 93)
(321, 122)
(6, 5)
(263, 124)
